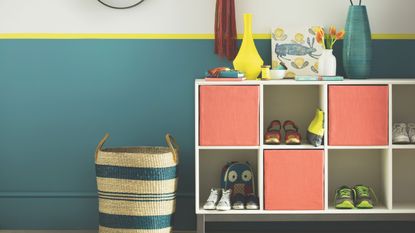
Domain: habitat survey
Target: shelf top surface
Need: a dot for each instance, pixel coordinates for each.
(330, 210)
(293, 82)
(304, 146)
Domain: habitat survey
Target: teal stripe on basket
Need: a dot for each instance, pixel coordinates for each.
(133, 173)
(137, 194)
(135, 222)
(135, 200)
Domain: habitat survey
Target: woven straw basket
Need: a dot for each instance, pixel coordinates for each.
(136, 187)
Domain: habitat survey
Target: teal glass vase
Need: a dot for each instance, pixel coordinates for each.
(357, 44)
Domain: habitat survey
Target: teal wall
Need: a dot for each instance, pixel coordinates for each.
(58, 98)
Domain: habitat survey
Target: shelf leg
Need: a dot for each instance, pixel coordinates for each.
(200, 223)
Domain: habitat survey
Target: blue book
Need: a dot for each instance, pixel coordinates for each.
(231, 74)
(318, 78)
(228, 74)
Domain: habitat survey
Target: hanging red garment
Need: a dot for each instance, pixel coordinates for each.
(225, 29)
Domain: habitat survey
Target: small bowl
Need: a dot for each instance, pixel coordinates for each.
(277, 74)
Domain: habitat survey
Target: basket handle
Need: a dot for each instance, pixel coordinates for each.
(100, 144)
(171, 142)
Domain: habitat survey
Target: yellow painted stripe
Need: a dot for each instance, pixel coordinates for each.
(257, 36)
(103, 36)
(393, 36)
(163, 36)
(119, 36)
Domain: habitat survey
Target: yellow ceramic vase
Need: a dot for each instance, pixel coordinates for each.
(248, 59)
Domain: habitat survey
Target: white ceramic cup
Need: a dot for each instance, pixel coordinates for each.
(277, 74)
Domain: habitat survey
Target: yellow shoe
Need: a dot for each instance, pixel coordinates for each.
(315, 131)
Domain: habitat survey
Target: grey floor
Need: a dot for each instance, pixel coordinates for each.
(67, 231)
(45, 231)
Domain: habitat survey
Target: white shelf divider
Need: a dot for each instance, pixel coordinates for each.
(403, 146)
(197, 178)
(325, 107)
(260, 178)
(387, 177)
(292, 147)
(228, 147)
(260, 174)
(357, 147)
(388, 157)
(261, 115)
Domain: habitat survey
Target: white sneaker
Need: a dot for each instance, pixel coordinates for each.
(400, 134)
(252, 202)
(225, 201)
(212, 200)
(411, 132)
(252, 206)
(238, 201)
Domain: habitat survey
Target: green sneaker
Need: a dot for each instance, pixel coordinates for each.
(365, 198)
(344, 198)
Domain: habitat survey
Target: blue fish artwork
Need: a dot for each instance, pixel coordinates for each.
(297, 49)
(282, 50)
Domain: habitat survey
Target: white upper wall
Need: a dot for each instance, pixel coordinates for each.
(193, 16)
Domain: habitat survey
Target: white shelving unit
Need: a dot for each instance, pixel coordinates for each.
(388, 169)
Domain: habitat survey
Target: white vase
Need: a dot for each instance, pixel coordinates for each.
(327, 63)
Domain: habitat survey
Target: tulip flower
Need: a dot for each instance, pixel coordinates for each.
(332, 31)
(340, 35)
(327, 42)
(321, 30)
(320, 37)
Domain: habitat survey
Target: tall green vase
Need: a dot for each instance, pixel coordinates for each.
(357, 47)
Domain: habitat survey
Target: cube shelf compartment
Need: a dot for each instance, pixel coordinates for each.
(358, 167)
(375, 162)
(402, 111)
(288, 170)
(229, 115)
(288, 103)
(358, 115)
(402, 96)
(403, 179)
(211, 163)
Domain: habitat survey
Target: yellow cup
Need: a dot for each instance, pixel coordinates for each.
(265, 72)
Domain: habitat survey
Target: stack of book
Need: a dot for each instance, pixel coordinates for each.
(226, 75)
(318, 78)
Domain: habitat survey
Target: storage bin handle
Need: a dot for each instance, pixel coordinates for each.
(171, 142)
(100, 144)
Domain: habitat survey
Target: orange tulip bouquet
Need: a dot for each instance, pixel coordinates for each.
(327, 62)
(328, 40)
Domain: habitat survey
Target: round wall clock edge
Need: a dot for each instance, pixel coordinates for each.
(105, 3)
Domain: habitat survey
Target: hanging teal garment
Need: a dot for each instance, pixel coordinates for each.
(357, 47)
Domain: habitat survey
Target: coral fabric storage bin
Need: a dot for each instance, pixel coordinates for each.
(358, 115)
(229, 115)
(294, 179)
